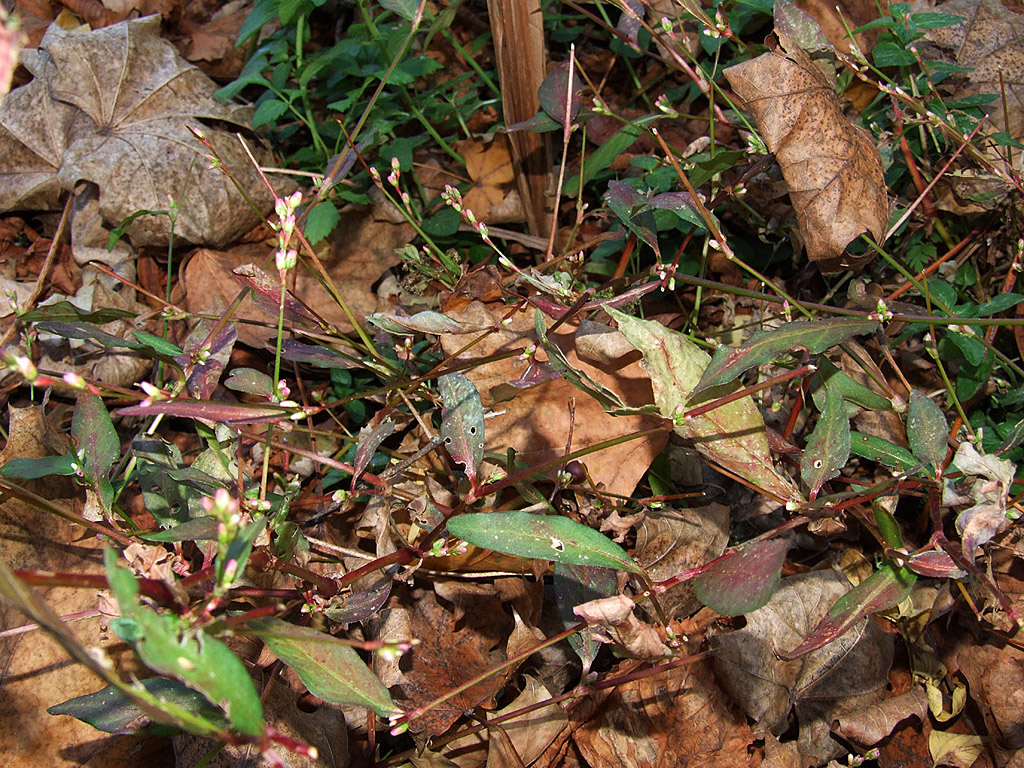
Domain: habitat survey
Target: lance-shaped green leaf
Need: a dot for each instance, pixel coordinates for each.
(38, 610)
(96, 437)
(25, 468)
(462, 422)
(927, 429)
(853, 391)
(764, 346)
(828, 447)
(610, 401)
(327, 666)
(744, 580)
(732, 435)
(543, 537)
(883, 589)
(886, 453)
(427, 321)
(109, 710)
(200, 661)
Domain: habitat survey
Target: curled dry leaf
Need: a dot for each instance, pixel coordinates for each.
(871, 724)
(841, 677)
(614, 619)
(832, 168)
(112, 107)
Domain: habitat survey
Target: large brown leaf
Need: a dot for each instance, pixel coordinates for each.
(111, 107)
(831, 166)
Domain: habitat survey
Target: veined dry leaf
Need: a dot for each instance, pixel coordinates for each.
(832, 168)
(490, 168)
(673, 719)
(613, 621)
(844, 675)
(870, 725)
(111, 107)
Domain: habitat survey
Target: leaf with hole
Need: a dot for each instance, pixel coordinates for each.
(927, 429)
(330, 668)
(762, 347)
(543, 537)
(880, 591)
(828, 447)
(743, 580)
(462, 422)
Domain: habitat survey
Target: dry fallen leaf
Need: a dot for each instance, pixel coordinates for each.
(613, 621)
(490, 168)
(832, 168)
(679, 718)
(111, 107)
(536, 421)
(848, 673)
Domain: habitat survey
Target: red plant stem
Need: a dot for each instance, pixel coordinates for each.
(741, 393)
(152, 588)
(908, 157)
(45, 504)
(907, 285)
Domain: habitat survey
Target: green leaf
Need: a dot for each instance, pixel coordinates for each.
(320, 222)
(884, 452)
(404, 8)
(744, 580)
(32, 469)
(65, 311)
(96, 437)
(426, 321)
(732, 435)
(109, 710)
(543, 537)
(575, 585)
(927, 429)
(729, 363)
(462, 422)
(268, 111)
(828, 447)
(200, 661)
(853, 391)
(263, 12)
(327, 666)
(604, 156)
(880, 591)
(163, 346)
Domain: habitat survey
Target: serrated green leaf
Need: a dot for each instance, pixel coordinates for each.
(927, 429)
(200, 661)
(828, 447)
(542, 537)
(462, 422)
(728, 363)
(321, 221)
(744, 580)
(327, 666)
(732, 435)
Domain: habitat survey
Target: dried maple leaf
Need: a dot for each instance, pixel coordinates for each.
(112, 107)
(832, 168)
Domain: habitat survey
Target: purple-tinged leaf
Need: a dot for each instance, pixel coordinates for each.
(743, 580)
(935, 564)
(880, 591)
(89, 332)
(542, 122)
(575, 585)
(370, 438)
(828, 447)
(96, 437)
(359, 606)
(543, 537)
(554, 91)
(927, 429)
(800, 27)
(632, 209)
(329, 668)
(1013, 438)
(208, 411)
(250, 381)
(111, 711)
(462, 422)
(203, 380)
(422, 322)
(630, 23)
(266, 295)
(729, 363)
(314, 354)
(536, 374)
(680, 203)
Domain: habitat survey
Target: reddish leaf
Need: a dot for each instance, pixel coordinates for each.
(883, 589)
(210, 411)
(266, 294)
(554, 91)
(744, 580)
(370, 438)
